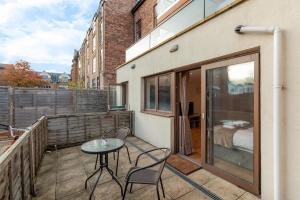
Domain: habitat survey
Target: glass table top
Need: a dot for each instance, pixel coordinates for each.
(102, 145)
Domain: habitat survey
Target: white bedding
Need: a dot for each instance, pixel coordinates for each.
(243, 138)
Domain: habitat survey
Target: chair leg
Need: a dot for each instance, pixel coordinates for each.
(131, 187)
(125, 191)
(128, 153)
(157, 190)
(162, 187)
(118, 153)
(96, 161)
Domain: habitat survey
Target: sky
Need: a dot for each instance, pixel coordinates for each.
(44, 32)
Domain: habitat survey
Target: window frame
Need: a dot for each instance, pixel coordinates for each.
(125, 95)
(256, 185)
(156, 111)
(138, 22)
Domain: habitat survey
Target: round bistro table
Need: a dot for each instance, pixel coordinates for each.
(102, 147)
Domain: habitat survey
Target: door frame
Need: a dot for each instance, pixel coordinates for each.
(255, 187)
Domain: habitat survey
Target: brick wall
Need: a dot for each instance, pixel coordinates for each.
(118, 36)
(146, 15)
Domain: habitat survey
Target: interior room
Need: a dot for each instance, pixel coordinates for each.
(194, 99)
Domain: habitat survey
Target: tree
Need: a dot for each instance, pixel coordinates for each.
(21, 75)
(76, 85)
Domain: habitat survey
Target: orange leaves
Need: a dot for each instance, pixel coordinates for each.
(21, 75)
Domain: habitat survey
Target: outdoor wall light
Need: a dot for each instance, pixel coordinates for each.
(174, 48)
(133, 66)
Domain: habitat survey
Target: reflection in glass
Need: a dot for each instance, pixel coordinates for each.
(230, 119)
(164, 93)
(117, 97)
(150, 93)
(212, 6)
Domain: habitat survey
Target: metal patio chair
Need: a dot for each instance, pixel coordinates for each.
(148, 174)
(11, 131)
(121, 133)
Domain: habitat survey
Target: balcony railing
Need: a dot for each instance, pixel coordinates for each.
(195, 11)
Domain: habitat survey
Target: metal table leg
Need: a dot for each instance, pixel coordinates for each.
(103, 159)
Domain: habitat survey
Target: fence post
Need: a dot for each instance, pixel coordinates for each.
(12, 120)
(74, 94)
(55, 102)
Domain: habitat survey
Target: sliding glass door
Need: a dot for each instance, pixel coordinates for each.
(230, 124)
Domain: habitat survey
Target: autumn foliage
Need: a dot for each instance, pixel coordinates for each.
(21, 75)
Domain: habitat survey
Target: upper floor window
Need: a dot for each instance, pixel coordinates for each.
(138, 30)
(94, 65)
(94, 43)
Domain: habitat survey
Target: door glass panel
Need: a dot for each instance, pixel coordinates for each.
(230, 119)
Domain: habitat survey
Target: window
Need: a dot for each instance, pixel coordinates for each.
(94, 65)
(138, 30)
(155, 15)
(101, 59)
(118, 96)
(158, 93)
(94, 43)
(101, 32)
(94, 27)
(94, 84)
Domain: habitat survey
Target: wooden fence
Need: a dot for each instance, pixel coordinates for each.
(21, 107)
(19, 164)
(67, 130)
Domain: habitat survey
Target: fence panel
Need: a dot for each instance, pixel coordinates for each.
(26, 105)
(19, 164)
(68, 130)
(4, 105)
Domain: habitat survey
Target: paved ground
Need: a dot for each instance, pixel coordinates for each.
(62, 175)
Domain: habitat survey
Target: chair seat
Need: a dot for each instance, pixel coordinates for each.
(145, 176)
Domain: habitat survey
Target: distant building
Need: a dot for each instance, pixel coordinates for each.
(56, 80)
(74, 69)
(103, 49)
(2, 67)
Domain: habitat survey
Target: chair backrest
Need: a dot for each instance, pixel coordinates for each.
(122, 133)
(163, 160)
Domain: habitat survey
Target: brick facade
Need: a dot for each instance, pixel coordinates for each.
(146, 15)
(112, 28)
(74, 70)
(118, 35)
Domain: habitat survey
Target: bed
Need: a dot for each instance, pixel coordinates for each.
(233, 142)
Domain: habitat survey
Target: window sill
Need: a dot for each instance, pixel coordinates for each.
(162, 114)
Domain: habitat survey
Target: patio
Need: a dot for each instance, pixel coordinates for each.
(62, 175)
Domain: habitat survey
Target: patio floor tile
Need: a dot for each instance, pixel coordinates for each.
(63, 173)
(224, 189)
(69, 187)
(193, 196)
(176, 187)
(202, 176)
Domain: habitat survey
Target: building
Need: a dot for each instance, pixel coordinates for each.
(74, 68)
(2, 68)
(56, 80)
(200, 87)
(103, 48)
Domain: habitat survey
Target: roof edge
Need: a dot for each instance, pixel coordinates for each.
(137, 5)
